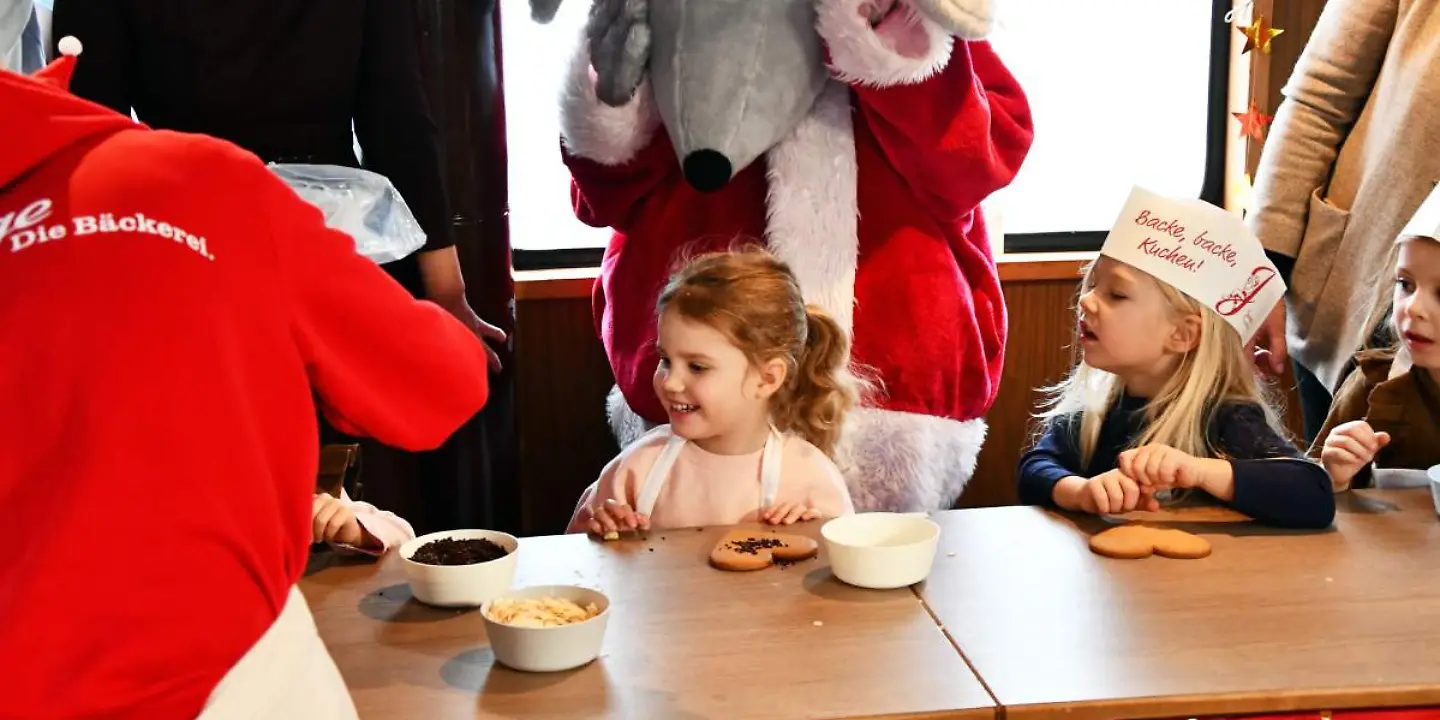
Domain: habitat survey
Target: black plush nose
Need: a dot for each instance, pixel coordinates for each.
(706, 170)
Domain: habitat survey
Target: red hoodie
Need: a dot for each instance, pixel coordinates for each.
(169, 311)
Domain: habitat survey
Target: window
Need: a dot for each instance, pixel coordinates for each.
(543, 228)
(1123, 92)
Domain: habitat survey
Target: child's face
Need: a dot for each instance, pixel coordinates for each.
(1127, 327)
(1417, 300)
(707, 385)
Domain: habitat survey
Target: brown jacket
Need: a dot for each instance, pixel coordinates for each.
(1407, 407)
(1353, 151)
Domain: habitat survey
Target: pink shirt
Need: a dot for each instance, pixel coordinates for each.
(707, 489)
(386, 527)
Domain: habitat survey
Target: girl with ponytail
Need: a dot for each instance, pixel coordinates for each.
(756, 386)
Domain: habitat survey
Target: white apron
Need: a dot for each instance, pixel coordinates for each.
(660, 472)
(287, 675)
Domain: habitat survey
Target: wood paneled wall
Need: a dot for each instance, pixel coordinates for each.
(561, 380)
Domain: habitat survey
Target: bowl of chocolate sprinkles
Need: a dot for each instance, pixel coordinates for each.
(458, 551)
(460, 568)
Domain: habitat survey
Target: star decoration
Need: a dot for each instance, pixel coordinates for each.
(1258, 34)
(1241, 195)
(1253, 122)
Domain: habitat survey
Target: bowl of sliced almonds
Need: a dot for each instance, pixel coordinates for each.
(546, 628)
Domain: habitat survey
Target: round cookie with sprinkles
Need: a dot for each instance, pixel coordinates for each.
(744, 550)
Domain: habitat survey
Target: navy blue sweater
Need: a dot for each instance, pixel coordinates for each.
(1274, 482)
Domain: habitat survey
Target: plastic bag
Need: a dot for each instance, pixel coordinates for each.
(360, 203)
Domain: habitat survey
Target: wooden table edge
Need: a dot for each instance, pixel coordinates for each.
(958, 714)
(1237, 703)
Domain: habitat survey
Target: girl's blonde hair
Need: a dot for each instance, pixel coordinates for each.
(754, 300)
(1217, 371)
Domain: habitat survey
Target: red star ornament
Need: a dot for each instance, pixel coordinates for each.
(1253, 122)
(1258, 34)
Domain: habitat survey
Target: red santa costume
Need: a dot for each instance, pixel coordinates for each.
(873, 200)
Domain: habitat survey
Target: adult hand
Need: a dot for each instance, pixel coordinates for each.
(1268, 346)
(485, 331)
(445, 286)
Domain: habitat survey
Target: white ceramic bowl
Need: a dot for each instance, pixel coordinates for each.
(881, 550)
(1434, 473)
(549, 649)
(460, 585)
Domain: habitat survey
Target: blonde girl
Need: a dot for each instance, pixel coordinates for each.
(1164, 406)
(756, 388)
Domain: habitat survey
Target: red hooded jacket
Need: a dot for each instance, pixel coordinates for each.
(169, 313)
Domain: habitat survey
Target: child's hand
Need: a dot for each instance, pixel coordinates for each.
(1348, 449)
(788, 514)
(333, 522)
(609, 518)
(1161, 467)
(1112, 493)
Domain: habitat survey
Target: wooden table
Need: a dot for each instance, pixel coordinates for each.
(1270, 622)
(684, 641)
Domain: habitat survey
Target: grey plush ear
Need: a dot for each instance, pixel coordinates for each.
(543, 11)
(619, 36)
(969, 19)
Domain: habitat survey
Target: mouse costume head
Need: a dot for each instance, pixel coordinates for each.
(732, 78)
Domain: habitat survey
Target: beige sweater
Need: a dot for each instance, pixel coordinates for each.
(1353, 151)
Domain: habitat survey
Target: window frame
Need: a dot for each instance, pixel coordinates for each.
(1212, 186)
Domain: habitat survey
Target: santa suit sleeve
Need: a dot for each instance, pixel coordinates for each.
(948, 115)
(383, 364)
(616, 155)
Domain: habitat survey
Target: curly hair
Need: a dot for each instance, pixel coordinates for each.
(754, 300)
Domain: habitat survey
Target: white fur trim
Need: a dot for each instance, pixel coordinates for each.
(812, 213)
(892, 461)
(857, 55)
(907, 462)
(970, 19)
(591, 129)
(625, 423)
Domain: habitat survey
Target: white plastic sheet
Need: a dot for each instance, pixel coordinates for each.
(360, 203)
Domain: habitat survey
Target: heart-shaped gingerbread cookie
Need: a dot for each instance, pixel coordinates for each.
(742, 550)
(1135, 541)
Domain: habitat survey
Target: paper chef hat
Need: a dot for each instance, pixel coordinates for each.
(1426, 221)
(1200, 250)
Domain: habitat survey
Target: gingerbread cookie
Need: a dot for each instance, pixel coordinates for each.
(1132, 542)
(742, 550)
